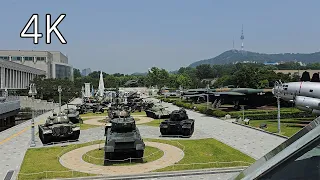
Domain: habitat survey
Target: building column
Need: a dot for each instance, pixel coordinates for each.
(2, 71)
(14, 79)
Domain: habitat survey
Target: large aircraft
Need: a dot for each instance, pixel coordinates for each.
(235, 96)
(305, 95)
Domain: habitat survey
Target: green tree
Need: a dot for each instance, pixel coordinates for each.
(305, 76)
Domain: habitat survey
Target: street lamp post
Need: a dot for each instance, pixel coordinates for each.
(32, 92)
(59, 90)
(277, 93)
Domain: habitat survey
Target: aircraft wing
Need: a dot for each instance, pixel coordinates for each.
(227, 93)
(194, 95)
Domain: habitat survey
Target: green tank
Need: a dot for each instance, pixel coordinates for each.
(157, 112)
(123, 139)
(58, 128)
(178, 124)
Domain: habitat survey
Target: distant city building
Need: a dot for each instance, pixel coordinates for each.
(54, 63)
(16, 76)
(86, 72)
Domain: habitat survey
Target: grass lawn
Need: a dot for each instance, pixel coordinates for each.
(210, 151)
(138, 113)
(155, 123)
(99, 154)
(272, 125)
(45, 159)
(93, 114)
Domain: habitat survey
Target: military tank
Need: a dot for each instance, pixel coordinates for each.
(123, 138)
(73, 115)
(58, 128)
(178, 124)
(157, 112)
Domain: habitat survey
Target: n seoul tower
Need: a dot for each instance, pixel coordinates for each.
(242, 38)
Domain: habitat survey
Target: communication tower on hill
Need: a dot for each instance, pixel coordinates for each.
(242, 38)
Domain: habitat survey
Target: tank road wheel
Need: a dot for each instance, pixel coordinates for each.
(139, 153)
(45, 139)
(192, 129)
(163, 131)
(107, 156)
(186, 132)
(75, 135)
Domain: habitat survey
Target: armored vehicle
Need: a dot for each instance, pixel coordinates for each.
(123, 138)
(58, 128)
(157, 112)
(73, 115)
(178, 124)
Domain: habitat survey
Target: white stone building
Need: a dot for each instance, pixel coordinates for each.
(16, 76)
(54, 63)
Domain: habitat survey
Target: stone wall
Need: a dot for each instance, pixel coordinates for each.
(26, 101)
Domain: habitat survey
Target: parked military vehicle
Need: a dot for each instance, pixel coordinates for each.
(73, 115)
(178, 124)
(58, 128)
(157, 112)
(123, 138)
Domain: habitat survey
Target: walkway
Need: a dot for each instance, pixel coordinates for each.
(73, 160)
(15, 141)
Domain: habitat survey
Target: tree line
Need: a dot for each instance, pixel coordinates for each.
(244, 75)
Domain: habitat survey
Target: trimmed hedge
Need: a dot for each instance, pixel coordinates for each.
(284, 115)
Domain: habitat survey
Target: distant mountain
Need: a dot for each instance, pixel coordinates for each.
(139, 74)
(233, 56)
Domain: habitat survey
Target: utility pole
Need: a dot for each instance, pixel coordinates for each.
(59, 90)
(208, 88)
(32, 92)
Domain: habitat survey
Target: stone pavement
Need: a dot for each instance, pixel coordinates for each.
(15, 141)
(249, 141)
(73, 160)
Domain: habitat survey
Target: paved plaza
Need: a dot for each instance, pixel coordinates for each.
(15, 141)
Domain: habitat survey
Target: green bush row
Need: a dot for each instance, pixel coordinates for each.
(239, 113)
(284, 115)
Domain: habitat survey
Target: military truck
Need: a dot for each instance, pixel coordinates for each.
(123, 139)
(157, 112)
(58, 128)
(178, 124)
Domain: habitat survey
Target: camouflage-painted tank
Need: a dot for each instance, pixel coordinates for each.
(123, 138)
(178, 124)
(157, 112)
(58, 128)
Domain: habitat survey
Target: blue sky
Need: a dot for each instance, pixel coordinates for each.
(130, 36)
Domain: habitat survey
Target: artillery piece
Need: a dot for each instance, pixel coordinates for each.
(58, 128)
(178, 124)
(123, 137)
